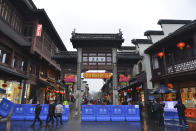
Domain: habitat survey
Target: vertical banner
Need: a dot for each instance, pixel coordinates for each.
(39, 30)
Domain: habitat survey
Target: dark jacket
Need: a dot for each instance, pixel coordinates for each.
(157, 110)
(51, 108)
(180, 107)
(38, 109)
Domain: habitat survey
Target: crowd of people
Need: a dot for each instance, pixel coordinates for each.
(156, 112)
(55, 111)
(86, 101)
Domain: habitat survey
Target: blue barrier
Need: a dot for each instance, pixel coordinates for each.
(65, 114)
(18, 112)
(117, 112)
(103, 112)
(132, 113)
(44, 112)
(5, 107)
(170, 114)
(29, 111)
(88, 113)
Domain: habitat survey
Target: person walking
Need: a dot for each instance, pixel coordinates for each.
(51, 113)
(157, 111)
(38, 109)
(161, 113)
(58, 112)
(180, 108)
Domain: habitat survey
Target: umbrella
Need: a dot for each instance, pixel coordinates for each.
(162, 89)
(129, 99)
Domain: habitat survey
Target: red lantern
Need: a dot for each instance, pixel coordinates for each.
(188, 46)
(129, 90)
(181, 45)
(121, 92)
(160, 54)
(57, 92)
(110, 94)
(4, 85)
(170, 85)
(138, 89)
(20, 87)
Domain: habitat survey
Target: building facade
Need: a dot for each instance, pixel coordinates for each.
(27, 70)
(175, 67)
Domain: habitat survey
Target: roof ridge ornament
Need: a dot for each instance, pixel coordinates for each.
(120, 32)
(73, 32)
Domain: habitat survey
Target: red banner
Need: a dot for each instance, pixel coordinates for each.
(39, 30)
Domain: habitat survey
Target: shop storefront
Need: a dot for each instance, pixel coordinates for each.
(13, 91)
(188, 96)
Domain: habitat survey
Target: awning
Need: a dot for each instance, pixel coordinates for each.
(12, 72)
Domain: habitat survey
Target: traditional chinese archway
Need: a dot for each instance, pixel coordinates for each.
(96, 52)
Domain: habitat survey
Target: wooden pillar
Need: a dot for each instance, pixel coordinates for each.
(78, 92)
(164, 62)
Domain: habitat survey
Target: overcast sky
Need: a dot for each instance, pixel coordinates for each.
(134, 17)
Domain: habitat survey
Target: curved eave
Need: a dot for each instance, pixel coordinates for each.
(97, 43)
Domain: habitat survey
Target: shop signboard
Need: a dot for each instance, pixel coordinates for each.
(182, 67)
(89, 75)
(39, 30)
(69, 78)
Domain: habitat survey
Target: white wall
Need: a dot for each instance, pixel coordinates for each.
(169, 28)
(156, 38)
(145, 63)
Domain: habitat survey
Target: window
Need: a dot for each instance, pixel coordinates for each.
(140, 67)
(155, 63)
(85, 59)
(109, 59)
(28, 31)
(109, 54)
(101, 54)
(5, 56)
(169, 57)
(85, 54)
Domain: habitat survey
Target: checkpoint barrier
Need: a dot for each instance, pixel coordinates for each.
(44, 112)
(170, 114)
(29, 111)
(103, 112)
(132, 113)
(5, 107)
(88, 113)
(65, 114)
(110, 113)
(117, 113)
(18, 112)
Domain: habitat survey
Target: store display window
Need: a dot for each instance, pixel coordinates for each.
(13, 93)
(188, 96)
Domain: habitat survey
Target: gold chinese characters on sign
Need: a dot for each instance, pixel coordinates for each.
(89, 75)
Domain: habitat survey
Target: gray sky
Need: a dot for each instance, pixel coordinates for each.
(134, 17)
